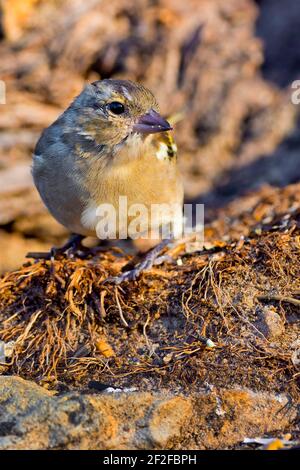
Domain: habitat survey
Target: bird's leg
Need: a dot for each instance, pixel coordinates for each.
(147, 262)
(74, 243)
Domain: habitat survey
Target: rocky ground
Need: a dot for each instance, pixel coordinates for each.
(201, 352)
(206, 347)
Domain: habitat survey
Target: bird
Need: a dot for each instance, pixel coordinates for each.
(111, 142)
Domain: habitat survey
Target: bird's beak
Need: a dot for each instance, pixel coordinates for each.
(151, 122)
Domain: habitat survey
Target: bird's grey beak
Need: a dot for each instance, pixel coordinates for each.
(151, 122)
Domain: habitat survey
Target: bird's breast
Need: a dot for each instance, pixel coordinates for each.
(143, 182)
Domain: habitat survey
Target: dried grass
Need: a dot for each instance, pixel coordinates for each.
(59, 312)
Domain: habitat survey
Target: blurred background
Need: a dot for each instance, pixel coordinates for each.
(226, 65)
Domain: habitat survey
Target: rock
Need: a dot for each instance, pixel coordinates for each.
(270, 324)
(34, 418)
(168, 419)
(244, 413)
(295, 356)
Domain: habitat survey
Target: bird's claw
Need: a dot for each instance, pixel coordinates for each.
(133, 274)
(71, 247)
(127, 276)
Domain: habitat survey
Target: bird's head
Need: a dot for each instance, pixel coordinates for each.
(113, 113)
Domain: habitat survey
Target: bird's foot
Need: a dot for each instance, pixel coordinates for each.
(71, 247)
(151, 258)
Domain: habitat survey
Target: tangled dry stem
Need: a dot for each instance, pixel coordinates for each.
(68, 327)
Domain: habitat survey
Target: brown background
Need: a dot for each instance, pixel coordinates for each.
(226, 66)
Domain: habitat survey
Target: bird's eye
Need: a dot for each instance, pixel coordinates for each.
(116, 108)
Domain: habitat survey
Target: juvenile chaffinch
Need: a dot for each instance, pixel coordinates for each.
(110, 142)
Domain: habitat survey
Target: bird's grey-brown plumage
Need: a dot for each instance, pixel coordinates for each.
(110, 142)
